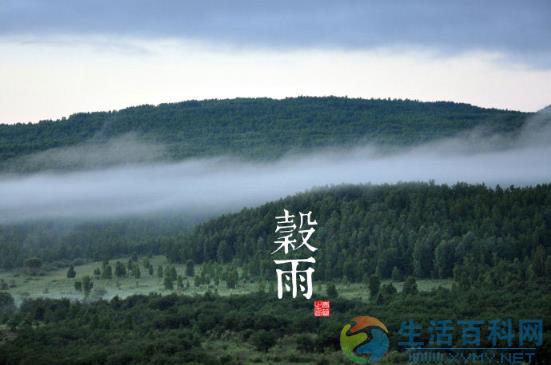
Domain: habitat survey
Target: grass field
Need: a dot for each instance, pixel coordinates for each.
(55, 284)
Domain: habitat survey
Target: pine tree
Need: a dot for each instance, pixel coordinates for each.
(107, 272)
(71, 273)
(332, 291)
(120, 270)
(410, 286)
(232, 277)
(168, 283)
(190, 268)
(374, 286)
(396, 275)
(87, 285)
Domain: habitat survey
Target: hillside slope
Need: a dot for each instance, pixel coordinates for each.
(416, 229)
(258, 128)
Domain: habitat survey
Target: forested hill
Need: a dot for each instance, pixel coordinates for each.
(416, 229)
(259, 128)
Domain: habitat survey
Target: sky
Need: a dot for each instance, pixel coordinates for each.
(59, 57)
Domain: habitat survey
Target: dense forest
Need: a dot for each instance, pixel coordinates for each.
(254, 128)
(58, 243)
(254, 328)
(420, 229)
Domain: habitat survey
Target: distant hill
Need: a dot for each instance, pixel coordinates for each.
(257, 128)
(546, 110)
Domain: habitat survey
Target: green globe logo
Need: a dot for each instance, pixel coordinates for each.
(366, 341)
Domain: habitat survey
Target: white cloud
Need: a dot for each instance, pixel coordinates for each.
(50, 80)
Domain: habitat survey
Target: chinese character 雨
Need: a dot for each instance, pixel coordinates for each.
(294, 279)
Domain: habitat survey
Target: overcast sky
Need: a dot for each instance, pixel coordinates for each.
(59, 57)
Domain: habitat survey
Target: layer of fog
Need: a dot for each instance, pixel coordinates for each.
(95, 153)
(210, 186)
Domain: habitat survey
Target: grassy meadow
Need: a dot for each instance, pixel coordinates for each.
(55, 284)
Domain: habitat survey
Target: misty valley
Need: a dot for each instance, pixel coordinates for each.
(144, 236)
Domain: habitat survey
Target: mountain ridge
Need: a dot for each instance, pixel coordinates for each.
(258, 128)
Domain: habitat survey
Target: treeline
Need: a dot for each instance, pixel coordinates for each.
(409, 229)
(59, 243)
(256, 128)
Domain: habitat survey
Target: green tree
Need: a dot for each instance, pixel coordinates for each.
(168, 283)
(7, 304)
(332, 292)
(538, 261)
(410, 286)
(87, 285)
(33, 265)
(396, 274)
(146, 263)
(231, 278)
(71, 273)
(120, 270)
(444, 259)
(223, 253)
(422, 258)
(349, 270)
(107, 272)
(386, 293)
(171, 273)
(263, 340)
(190, 268)
(374, 285)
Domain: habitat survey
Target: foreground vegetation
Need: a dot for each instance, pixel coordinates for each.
(202, 314)
(236, 329)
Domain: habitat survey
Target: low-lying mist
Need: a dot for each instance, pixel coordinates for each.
(223, 184)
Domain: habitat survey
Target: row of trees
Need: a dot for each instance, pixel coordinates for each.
(211, 273)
